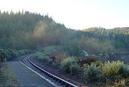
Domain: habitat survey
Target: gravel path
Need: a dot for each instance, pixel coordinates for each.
(27, 78)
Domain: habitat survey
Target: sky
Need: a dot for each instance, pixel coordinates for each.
(76, 14)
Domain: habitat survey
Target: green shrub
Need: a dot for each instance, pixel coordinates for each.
(2, 56)
(92, 73)
(50, 49)
(74, 69)
(10, 54)
(111, 68)
(124, 71)
(70, 65)
(23, 52)
(41, 56)
(98, 63)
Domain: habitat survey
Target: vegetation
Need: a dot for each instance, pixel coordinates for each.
(11, 54)
(112, 68)
(42, 57)
(7, 77)
(124, 71)
(105, 73)
(92, 73)
(24, 32)
(70, 65)
(2, 56)
(110, 73)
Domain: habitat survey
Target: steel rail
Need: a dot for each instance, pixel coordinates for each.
(62, 81)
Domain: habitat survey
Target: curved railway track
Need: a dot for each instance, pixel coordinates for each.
(53, 79)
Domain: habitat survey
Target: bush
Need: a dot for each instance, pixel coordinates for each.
(98, 63)
(2, 56)
(92, 73)
(10, 54)
(41, 56)
(87, 60)
(124, 71)
(114, 72)
(120, 84)
(70, 65)
(23, 52)
(74, 69)
(112, 68)
(49, 49)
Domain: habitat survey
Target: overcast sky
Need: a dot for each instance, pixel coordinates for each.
(77, 14)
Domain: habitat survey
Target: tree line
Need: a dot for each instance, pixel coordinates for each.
(25, 30)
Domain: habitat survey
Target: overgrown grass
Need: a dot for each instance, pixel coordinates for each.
(111, 68)
(7, 77)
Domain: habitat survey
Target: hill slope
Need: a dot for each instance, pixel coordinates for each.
(31, 31)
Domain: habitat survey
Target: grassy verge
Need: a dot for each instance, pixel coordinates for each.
(7, 77)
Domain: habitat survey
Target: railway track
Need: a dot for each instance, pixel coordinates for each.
(53, 79)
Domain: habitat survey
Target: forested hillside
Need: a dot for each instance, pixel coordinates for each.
(117, 37)
(16, 29)
(26, 30)
(83, 54)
